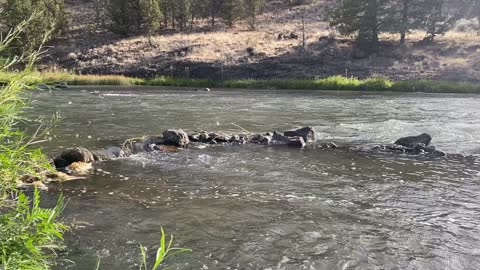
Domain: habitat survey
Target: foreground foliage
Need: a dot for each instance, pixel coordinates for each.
(29, 235)
(164, 251)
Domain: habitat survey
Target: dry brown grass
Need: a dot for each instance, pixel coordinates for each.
(451, 53)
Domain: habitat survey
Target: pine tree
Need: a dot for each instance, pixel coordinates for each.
(50, 13)
(436, 21)
(231, 11)
(360, 17)
(214, 10)
(152, 15)
(183, 13)
(252, 9)
(125, 15)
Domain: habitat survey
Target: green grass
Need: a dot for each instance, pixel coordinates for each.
(336, 83)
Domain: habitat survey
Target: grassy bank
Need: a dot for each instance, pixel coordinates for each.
(330, 83)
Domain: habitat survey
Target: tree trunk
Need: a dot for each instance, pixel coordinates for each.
(405, 12)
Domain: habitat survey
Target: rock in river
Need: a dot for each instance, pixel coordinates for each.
(414, 141)
(176, 137)
(307, 133)
(71, 155)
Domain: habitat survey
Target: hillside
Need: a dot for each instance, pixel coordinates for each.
(222, 53)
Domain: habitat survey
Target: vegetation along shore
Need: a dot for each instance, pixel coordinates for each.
(329, 83)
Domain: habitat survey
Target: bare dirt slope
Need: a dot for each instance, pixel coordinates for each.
(222, 53)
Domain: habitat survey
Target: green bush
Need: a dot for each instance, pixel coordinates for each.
(28, 233)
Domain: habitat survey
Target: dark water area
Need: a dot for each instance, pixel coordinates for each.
(265, 207)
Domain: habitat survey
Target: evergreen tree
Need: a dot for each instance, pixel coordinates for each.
(214, 10)
(50, 13)
(183, 13)
(436, 21)
(152, 15)
(231, 11)
(360, 17)
(125, 15)
(252, 9)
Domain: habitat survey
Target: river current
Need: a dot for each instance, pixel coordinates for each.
(265, 207)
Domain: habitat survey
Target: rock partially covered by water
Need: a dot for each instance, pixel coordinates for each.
(413, 145)
(109, 153)
(296, 142)
(176, 137)
(415, 141)
(72, 155)
(307, 133)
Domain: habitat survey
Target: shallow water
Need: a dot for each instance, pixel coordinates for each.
(261, 207)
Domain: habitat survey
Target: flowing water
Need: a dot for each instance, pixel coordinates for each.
(264, 207)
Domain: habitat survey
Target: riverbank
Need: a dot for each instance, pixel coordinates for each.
(329, 83)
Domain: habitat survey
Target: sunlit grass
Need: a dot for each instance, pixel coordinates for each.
(337, 83)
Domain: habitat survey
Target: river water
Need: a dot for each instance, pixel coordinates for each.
(263, 207)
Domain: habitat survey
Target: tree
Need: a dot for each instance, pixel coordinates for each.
(360, 17)
(231, 11)
(436, 21)
(100, 7)
(125, 15)
(252, 9)
(215, 7)
(50, 14)
(152, 15)
(183, 8)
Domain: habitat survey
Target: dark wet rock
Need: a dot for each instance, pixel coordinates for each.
(396, 148)
(438, 153)
(71, 155)
(419, 146)
(278, 138)
(204, 137)
(176, 137)
(260, 139)
(430, 149)
(194, 137)
(413, 141)
(219, 137)
(239, 139)
(296, 142)
(307, 133)
(206, 89)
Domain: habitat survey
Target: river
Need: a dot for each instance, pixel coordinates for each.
(264, 207)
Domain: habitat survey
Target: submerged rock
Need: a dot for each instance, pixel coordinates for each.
(278, 138)
(414, 141)
(307, 133)
(71, 155)
(297, 142)
(176, 137)
(109, 153)
(80, 168)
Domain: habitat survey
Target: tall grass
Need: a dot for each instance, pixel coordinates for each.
(338, 83)
(27, 233)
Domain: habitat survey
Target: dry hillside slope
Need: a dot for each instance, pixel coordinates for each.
(223, 54)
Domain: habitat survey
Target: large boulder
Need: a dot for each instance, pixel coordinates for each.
(307, 133)
(415, 141)
(176, 137)
(71, 155)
